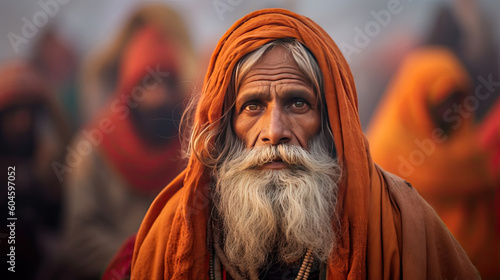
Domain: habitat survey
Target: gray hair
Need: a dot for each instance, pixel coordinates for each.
(213, 137)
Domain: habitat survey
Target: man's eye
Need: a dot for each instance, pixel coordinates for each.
(298, 104)
(252, 107)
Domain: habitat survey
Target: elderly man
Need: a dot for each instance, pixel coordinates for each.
(280, 183)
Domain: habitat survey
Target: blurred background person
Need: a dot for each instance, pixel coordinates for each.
(101, 71)
(33, 133)
(135, 151)
(429, 117)
(463, 27)
(56, 60)
(426, 123)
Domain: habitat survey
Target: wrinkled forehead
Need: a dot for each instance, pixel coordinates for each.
(275, 66)
(286, 52)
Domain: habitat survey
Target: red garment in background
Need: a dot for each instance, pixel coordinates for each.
(489, 139)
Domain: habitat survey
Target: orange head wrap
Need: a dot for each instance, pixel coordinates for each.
(171, 243)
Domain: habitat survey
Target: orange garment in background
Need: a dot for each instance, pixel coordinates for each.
(423, 131)
(387, 230)
(145, 61)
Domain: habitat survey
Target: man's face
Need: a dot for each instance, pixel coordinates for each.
(275, 104)
(276, 188)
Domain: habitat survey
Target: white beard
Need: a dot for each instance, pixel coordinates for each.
(284, 211)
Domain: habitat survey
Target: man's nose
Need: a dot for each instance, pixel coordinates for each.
(275, 127)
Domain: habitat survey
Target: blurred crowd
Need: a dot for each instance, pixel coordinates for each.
(94, 141)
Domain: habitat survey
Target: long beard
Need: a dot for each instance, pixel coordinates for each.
(284, 211)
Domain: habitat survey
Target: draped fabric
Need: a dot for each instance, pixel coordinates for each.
(149, 57)
(387, 230)
(424, 131)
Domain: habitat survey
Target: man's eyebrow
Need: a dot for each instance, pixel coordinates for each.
(251, 94)
(302, 92)
(257, 94)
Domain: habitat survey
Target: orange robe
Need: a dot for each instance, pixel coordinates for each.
(423, 131)
(387, 229)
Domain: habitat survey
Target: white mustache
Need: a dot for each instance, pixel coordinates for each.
(291, 155)
(296, 157)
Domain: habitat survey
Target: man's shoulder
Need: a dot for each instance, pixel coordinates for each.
(401, 191)
(159, 219)
(408, 201)
(425, 240)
